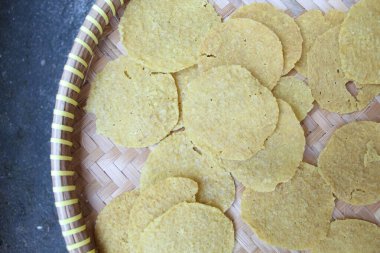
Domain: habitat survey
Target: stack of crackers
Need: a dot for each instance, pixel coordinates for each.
(222, 101)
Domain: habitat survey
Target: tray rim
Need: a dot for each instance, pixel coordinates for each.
(74, 74)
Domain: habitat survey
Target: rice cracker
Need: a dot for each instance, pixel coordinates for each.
(294, 216)
(228, 113)
(176, 156)
(244, 42)
(280, 158)
(191, 228)
(155, 201)
(351, 160)
(133, 106)
(281, 24)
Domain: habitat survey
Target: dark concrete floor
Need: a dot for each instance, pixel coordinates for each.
(35, 38)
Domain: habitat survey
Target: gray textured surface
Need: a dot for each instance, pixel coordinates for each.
(35, 37)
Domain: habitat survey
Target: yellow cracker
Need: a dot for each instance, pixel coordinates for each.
(112, 224)
(359, 43)
(326, 78)
(279, 160)
(312, 24)
(296, 93)
(296, 215)
(247, 43)
(182, 78)
(166, 35)
(133, 106)
(348, 162)
(191, 228)
(176, 156)
(281, 24)
(155, 201)
(350, 236)
(228, 113)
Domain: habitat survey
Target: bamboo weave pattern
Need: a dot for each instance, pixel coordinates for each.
(88, 170)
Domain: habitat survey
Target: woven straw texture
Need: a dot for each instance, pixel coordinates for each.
(88, 170)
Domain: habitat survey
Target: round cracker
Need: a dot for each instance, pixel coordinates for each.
(312, 24)
(296, 93)
(176, 156)
(133, 106)
(191, 228)
(112, 224)
(350, 162)
(166, 36)
(182, 78)
(244, 42)
(281, 24)
(228, 113)
(155, 201)
(284, 149)
(296, 215)
(350, 236)
(326, 78)
(359, 43)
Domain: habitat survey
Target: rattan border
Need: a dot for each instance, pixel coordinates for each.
(73, 226)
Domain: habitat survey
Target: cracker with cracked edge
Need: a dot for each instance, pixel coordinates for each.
(191, 228)
(312, 24)
(228, 113)
(304, 213)
(296, 93)
(244, 42)
(166, 36)
(176, 156)
(326, 78)
(359, 43)
(182, 78)
(345, 165)
(280, 158)
(112, 224)
(281, 24)
(155, 201)
(133, 106)
(350, 236)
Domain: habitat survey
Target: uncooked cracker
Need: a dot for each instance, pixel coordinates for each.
(312, 24)
(112, 224)
(343, 162)
(155, 201)
(350, 236)
(166, 35)
(281, 24)
(296, 215)
(280, 158)
(244, 42)
(326, 78)
(176, 156)
(191, 228)
(359, 43)
(296, 93)
(133, 106)
(228, 113)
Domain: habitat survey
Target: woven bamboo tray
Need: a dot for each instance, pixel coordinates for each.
(88, 170)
